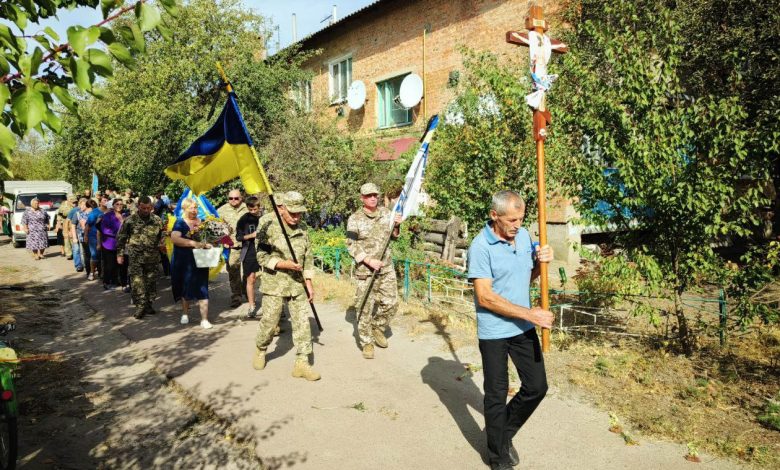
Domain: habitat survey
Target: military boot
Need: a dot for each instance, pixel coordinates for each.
(379, 338)
(368, 351)
(304, 370)
(259, 360)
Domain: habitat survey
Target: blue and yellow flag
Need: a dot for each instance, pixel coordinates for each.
(224, 152)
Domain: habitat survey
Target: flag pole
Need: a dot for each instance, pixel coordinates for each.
(229, 88)
(426, 139)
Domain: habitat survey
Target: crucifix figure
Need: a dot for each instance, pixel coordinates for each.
(540, 48)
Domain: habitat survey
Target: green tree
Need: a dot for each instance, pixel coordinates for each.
(485, 143)
(672, 168)
(29, 159)
(324, 164)
(33, 76)
(153, 113)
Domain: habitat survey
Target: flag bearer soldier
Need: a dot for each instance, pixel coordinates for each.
(280, 281)
(230, 213)
(367, 230)
(142, 234)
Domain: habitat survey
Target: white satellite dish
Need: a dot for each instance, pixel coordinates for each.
(411, 91)
(356, 95)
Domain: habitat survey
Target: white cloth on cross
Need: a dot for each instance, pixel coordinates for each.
(540, 49)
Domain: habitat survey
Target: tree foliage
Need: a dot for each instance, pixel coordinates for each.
(35, 78)
(673, 168)
(485, 143)
(29, 160)
(324, 164)
(151, 114)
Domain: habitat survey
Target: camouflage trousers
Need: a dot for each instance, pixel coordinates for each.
(237, 286)
(143, 284)
(67, 244)
(380, 306)
(298, 307)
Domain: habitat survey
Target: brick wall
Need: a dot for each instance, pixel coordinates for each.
(387, 40)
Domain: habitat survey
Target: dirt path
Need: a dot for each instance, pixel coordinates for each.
(149, 387)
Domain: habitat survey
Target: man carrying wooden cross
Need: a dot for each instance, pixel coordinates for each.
(502, 264)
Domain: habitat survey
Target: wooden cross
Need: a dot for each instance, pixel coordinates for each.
(535, 22)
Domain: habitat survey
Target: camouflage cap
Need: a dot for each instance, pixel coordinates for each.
(369, 188)
(293, 201)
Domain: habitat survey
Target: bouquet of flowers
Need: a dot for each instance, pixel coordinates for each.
(214, 231)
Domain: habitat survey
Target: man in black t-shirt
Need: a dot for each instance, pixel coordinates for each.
(246, 234)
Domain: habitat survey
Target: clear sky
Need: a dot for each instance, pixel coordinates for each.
(310, 15)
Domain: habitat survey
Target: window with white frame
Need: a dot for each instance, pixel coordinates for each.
(301, 94)
(340, 78)
(390, 113)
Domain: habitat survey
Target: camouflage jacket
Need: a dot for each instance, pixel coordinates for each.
(62, 215)
(142, 237)
(272, 248)
(231, 215)
(366, 233)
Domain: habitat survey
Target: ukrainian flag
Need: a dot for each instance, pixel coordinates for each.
(224, 152)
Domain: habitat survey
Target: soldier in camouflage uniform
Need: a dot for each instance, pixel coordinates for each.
(281, 281)
(63, 224)
(367, 230)
(142, 234)
(230, 213)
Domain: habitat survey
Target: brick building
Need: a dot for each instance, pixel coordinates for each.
(383, 42)
(387, 40)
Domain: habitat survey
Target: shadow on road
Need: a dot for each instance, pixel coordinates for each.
(90, 399)
(452, 380)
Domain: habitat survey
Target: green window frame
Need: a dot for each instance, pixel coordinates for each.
(390, 113)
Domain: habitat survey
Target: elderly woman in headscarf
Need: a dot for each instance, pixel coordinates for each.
(35, 223)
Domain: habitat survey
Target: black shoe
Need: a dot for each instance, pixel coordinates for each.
(514, 458)
(501, 466)
(79, 270)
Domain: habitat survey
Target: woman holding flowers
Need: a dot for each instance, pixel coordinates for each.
(189, 282)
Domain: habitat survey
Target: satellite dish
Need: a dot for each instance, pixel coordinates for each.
(356, 95)
(411, 91)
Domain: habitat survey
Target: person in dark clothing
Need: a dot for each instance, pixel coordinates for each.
(246, 234)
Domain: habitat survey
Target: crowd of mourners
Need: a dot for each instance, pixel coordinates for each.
(87, 227)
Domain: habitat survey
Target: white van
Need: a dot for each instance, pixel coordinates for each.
(50, 194)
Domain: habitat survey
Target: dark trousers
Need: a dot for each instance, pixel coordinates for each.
(166, 264)
(502, 419)
(110, 267)
(122, 274)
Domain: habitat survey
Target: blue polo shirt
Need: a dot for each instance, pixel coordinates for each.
(509, 268)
